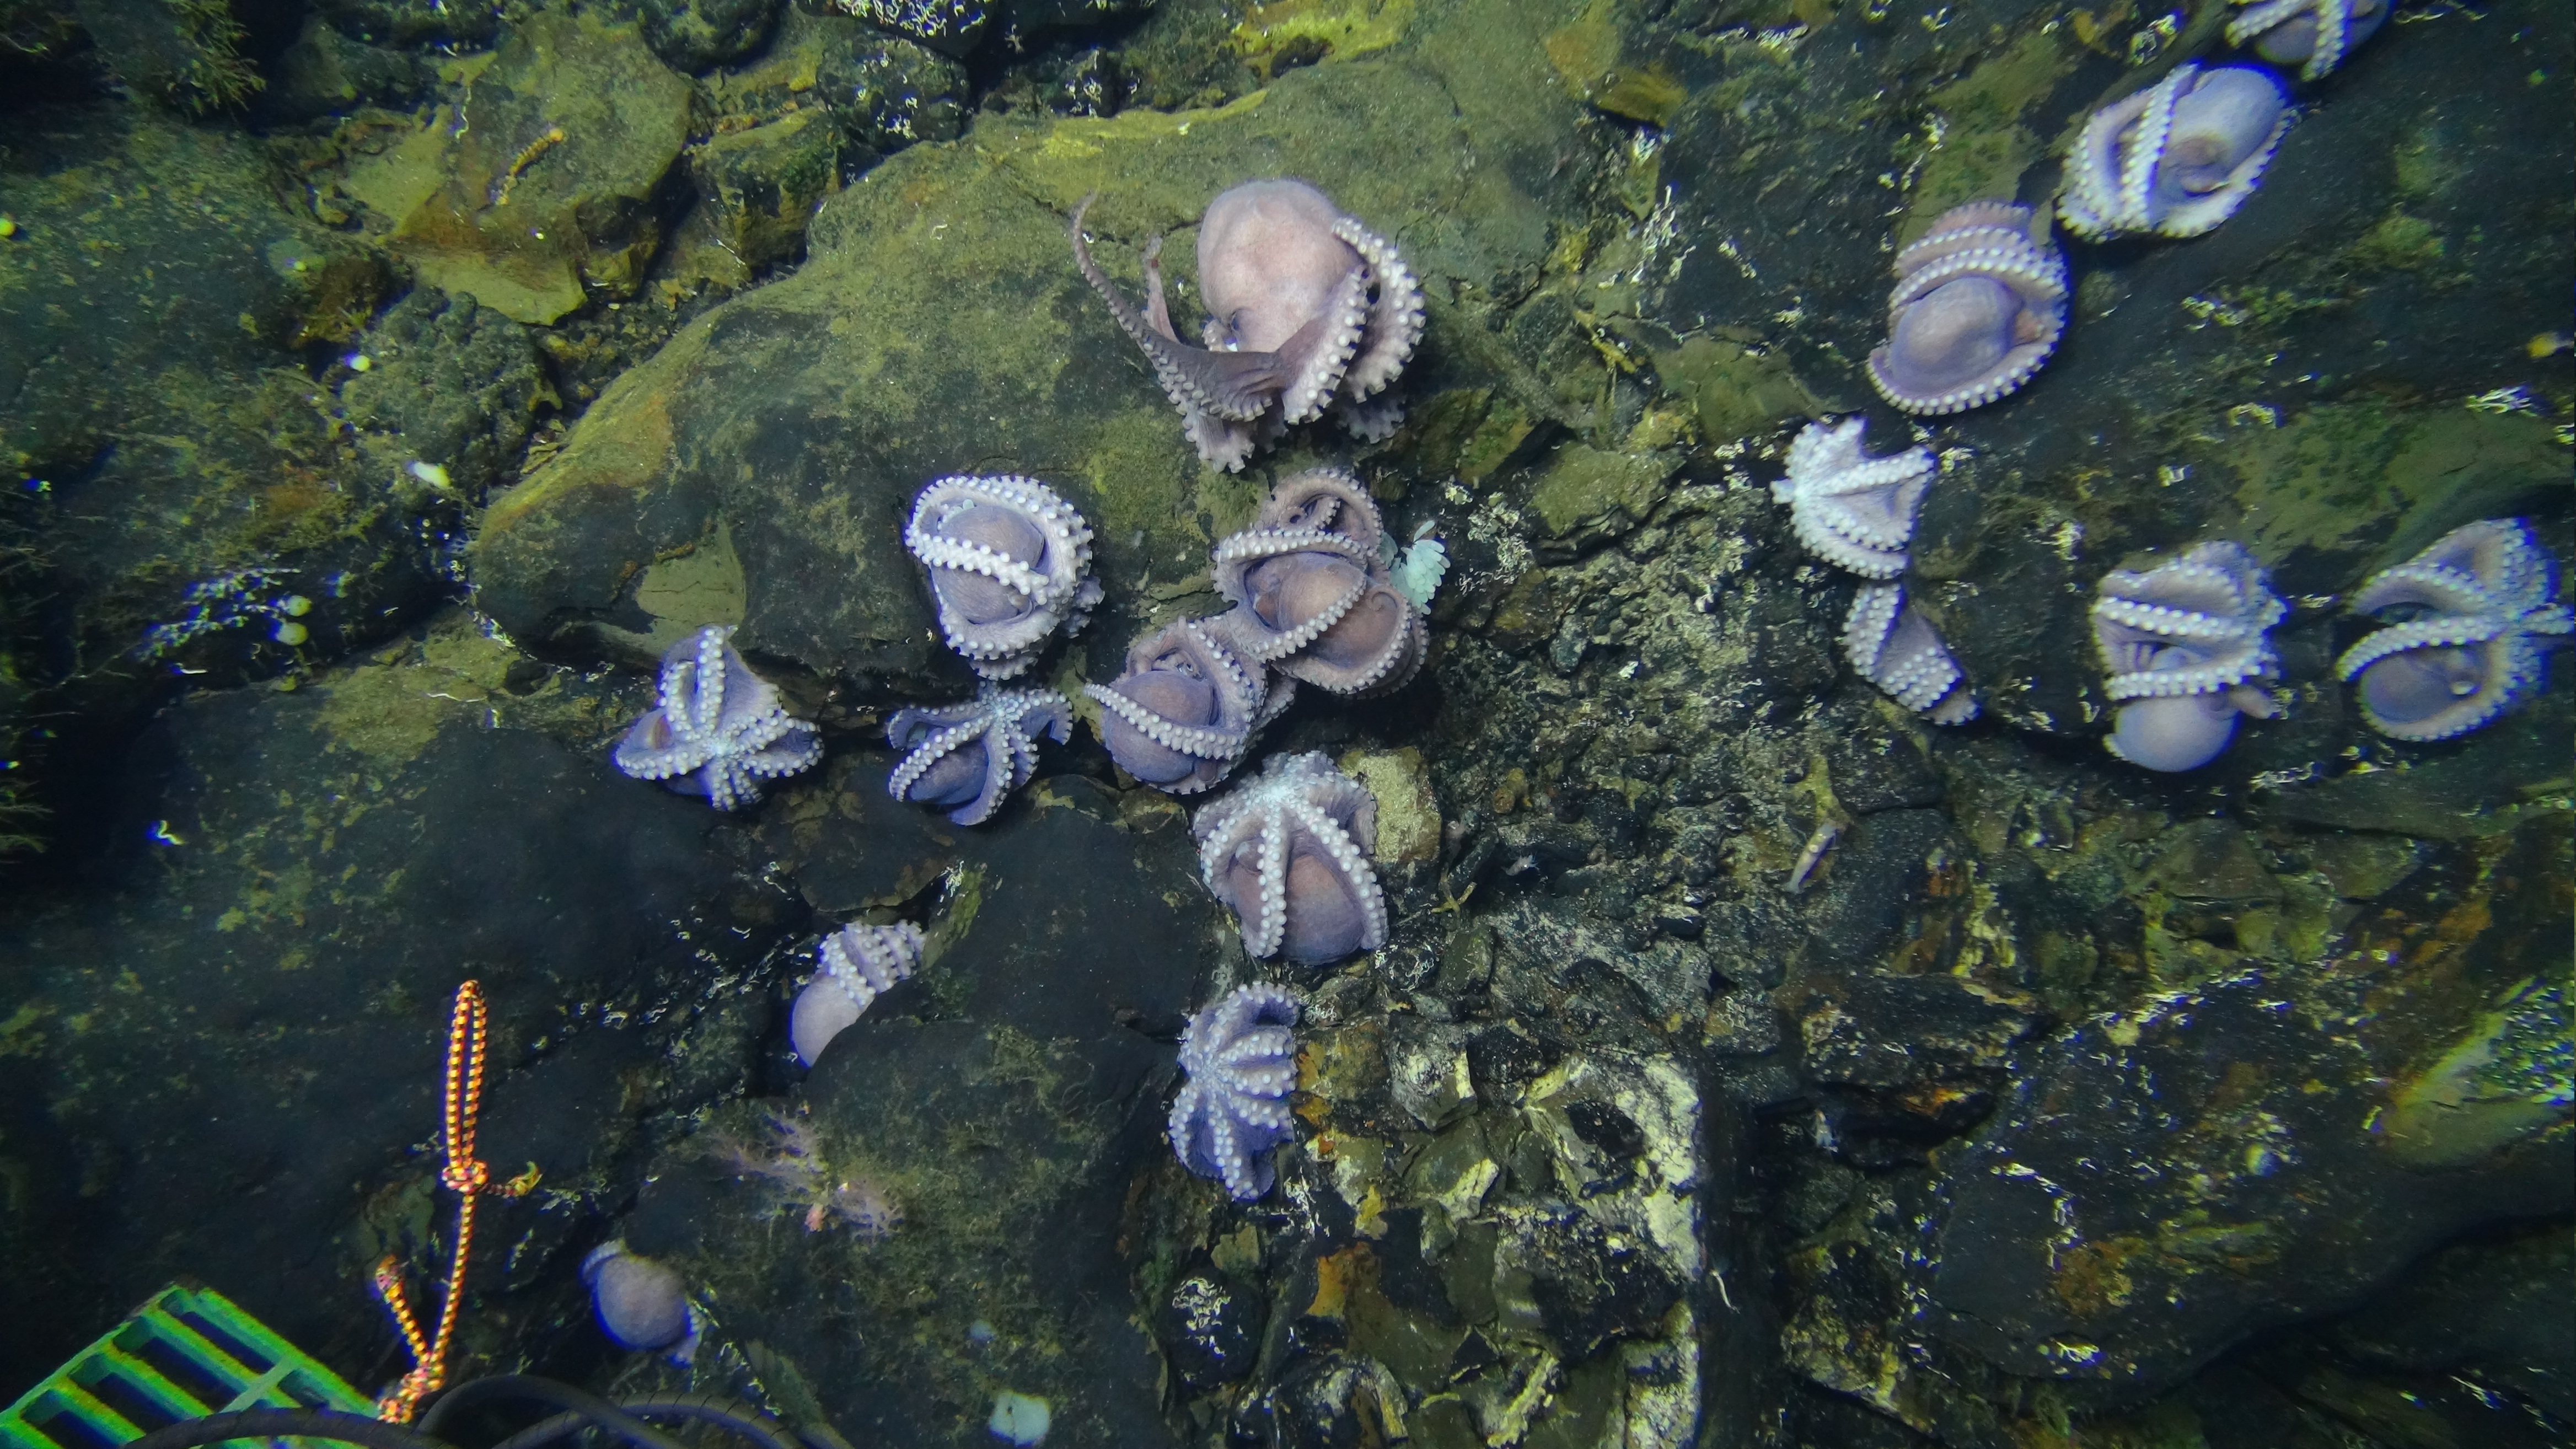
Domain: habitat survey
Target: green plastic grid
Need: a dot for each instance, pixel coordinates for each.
(186, 1353)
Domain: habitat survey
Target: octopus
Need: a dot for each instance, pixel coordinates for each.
(719, 729)
(1896, 648)
(1184, 710)
(1314, 592)
(2177, 158)
(854, 966)
(2469, 624)
(1978, 306)
(2314, 35)
(641, 1304)
(1010, 564)
(1239, 1057)
(1288, 852)
(1307, 310)
(1851, 509)
(2187, 645)
(973, 755)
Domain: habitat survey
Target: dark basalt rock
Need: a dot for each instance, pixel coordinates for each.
(1210, 1330)
(261, 989)
(699, 35)
(450, 384)
(2166, 1181)
(1560, 1274)
(326, 73)
(1001, 1100)
(420, 23)
(2486, 1310)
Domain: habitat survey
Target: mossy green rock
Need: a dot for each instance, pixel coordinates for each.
(1588, 496)
(939, 326)
(764, 183)
(544, 177)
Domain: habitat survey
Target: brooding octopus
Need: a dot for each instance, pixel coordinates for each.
(972, 755)
(1288, 851)
(719, 730)
(2177, 158)
(1894, 647)
(2469, 624)
(2187, 645)
(1009, 562)
(1307, 310)
(1850, 507)
(1978, 306)
(1312, 591)
(1184, 710)
(2314, 35)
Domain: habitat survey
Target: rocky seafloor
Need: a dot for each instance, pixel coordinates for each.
(376, 427)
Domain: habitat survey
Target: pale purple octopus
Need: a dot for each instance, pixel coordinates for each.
(1288, 850)
(2314, 35)
(2177, 158)
(1850, 508)
(1307, 309)
(2465, 638)
(1181, 714)
(1241, 1059)
(974, 754)
(1894, 647)
(2187, 645)
(642, 1304)
(1010, 563)
(854, 966)
(1978, 306)
(1312, 591)
(719, 729)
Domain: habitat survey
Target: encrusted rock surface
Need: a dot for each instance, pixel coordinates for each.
(1747, 1063)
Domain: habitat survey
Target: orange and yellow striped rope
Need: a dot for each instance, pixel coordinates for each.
(470, 1178)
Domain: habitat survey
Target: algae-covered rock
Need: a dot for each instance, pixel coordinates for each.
(1002, 1101)
(253, 998)
(325, 73)
(450, 392)
(883, 91)
(761, 185)
(1586, 496)
(2287, 1180)
(422, 23)
(939, 326)
(696, 35)
(554, 185)
(185, 481)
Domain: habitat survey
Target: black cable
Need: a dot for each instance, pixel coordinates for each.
(715, 1409)
(328, 1424)
(546, 1391)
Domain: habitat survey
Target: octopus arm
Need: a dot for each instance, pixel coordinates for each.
(1239, 386)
